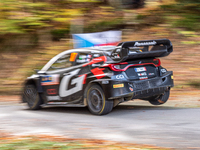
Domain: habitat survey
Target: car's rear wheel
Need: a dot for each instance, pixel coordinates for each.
(97, 104)
(160, 99)
(32, 97)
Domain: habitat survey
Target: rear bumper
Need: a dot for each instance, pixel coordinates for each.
(138, 89)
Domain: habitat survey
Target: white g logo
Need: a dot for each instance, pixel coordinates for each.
(65, 81)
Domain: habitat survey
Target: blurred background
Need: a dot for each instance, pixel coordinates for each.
(33, 31)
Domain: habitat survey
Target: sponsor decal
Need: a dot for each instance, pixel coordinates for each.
(142, 74)
(90, 56)
(96, 65)
(143, 78)
(118, 85)
(96, 55)
(140, 69)
(105, 82)
(172, 77)
(98, 59)
(131, 89)
(78, 82)
(50, 79)
(84, 56)
(51, 91)
(88, 59)
(131, 52)
(163, 70)
(151, 74)
(53, 98)
(145, 43)
(120, 76)
(81, 60)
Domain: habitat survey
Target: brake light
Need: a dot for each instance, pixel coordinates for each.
(157, 62)
(116, 67)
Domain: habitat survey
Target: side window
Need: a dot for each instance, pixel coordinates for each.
(83, 58)
(65, 61)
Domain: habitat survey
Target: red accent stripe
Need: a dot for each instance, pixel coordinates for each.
(85, 77)
(111, 66)
(98, 72)
(51, 91)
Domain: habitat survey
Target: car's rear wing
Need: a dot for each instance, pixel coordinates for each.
(141, 49)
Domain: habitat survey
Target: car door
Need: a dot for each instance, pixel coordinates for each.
(57, 79)
(64, 79)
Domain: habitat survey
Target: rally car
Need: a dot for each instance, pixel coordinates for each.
(102, 77)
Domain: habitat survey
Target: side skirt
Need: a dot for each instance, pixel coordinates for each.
(62, 104)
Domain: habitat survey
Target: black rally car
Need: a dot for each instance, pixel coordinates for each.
(102, 77)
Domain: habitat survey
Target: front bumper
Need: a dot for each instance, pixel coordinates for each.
(138, 89)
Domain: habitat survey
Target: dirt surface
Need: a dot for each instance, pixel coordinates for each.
(178, 98)
(131, 122)
(59, 142)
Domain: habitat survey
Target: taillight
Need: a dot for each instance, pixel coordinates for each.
(157, 62)
(117, 67)
(124, 66)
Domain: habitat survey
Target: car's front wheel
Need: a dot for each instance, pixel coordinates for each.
(160, 99)
(32, 97)
(97, 104)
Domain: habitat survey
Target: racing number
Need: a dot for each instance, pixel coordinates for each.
(64, 91)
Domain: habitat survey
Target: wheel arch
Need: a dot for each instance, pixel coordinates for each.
(87, 88)
(36, 83)
(30, 81)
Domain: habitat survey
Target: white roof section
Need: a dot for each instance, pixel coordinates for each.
(95, 48)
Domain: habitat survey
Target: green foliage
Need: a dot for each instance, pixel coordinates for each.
(28, 16)
(48, 143)
(103, 25)
(57, 34)
(186, 12)
(9, 26)
(84, 0)
(140, 16)
(16, 16)
(189, 21)
(195, 83)
(30, 144)
(188, 1)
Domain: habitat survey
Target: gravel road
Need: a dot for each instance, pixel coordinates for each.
(133, 122)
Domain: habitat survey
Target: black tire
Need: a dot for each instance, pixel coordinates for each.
(32, 97)
(160, 99)
(97, 104)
